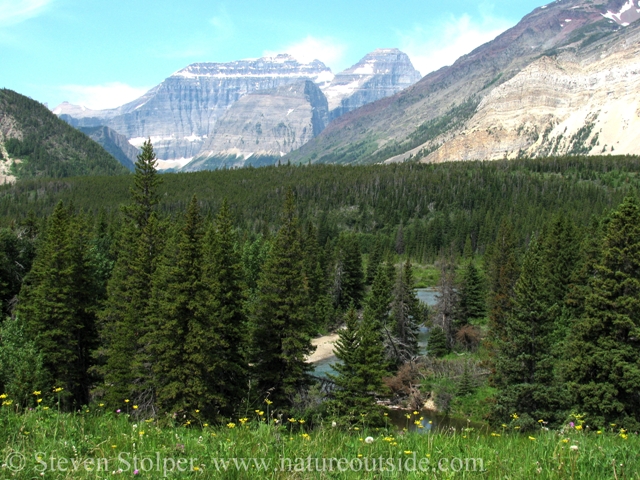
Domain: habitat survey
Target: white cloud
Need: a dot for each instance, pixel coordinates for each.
(310, 48)
(16, 11)
(99, 97)
(435, 46)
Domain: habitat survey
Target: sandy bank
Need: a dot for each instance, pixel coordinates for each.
(324, 348)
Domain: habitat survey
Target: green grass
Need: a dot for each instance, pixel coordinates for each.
(41, 437)
(426, 276)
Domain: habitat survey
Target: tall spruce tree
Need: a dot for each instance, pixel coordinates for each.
(348, 285)
(375, 258)
(377, 309)
(225, 344)
(354, 394)
(57, 305)
(472, 299)
(123, 363)
(503, 273)
(524, 362)
(280, 339)
(179, 338)
(603, 367)
(405, 314)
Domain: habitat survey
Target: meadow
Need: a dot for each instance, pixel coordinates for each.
(94, 444)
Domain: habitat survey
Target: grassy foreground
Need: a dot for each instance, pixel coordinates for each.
(95, 445)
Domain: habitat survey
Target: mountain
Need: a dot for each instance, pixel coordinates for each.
(261, 127)
(432, 119)
(35, 142)
(180, 113)
(114, 143)
(379, 74)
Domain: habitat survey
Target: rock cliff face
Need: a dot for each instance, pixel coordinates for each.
(381, 73)
(114, 143)
(427, 116)
(263, 126)
(180, 113)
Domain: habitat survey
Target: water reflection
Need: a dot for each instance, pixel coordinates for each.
(428, 421)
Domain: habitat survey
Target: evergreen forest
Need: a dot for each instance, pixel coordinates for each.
(191, 298)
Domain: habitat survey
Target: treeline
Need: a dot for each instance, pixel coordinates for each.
(179, 318)
(434, 206)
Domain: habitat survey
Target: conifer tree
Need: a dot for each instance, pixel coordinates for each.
(280, 340)
(375, 259)
(57, 303)
(124, 366)
(472, 299)
(405, 314)
(377, 308)
(348, 285)
(437, 345)
(524, 362)
(353, 395)
(315, 273)
(225, 339)
(604, 346)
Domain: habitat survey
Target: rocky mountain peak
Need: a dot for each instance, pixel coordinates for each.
(377, 75)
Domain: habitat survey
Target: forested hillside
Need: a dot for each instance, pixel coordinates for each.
(40, 144)
(430, 205)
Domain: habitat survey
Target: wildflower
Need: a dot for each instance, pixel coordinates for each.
(504, 425)
(126, 400)
(205, 425)
(197, 411)
(231, 425)
(58, 390)
(624, 436)
(514, 416)
(368, 440)
(195, 469)
(578, 427)
(243, 420)
(140, 433)
(408, 415)
(101, 405)
(305, 436)
(408, 452)
(7, 402)
(494, 434)
(114, 446)
(571, 424)
(3, 396)
(260, 412)
(267, 401)
(356, 428)
(599, 432)
(37, 392)
(301, 421)
(135, 407)
(574, 448)
(39, 400)
(334, 424)
(416, 413)
(136, 472)
(531, 438)
(118, 411)
(45, 408)
(292, 420)
(540, 421)
(359, 455)
(565, 440)
(386, 414)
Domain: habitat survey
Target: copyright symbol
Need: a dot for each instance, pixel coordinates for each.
(15, 461)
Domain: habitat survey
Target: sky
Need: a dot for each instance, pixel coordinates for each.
(103, 54)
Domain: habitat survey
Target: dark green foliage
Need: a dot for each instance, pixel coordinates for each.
(405, 315)
(603, 365)
(375, 258)
(524, 362)
(472, 305)
(57, 305)
(50, 147)
(280, 339)
(355, 392)
(377, 309)
(226, 372)
(437, 345)
(16, 255)
(124, 364)
(348, 276)
(180, 340)
(465, 387)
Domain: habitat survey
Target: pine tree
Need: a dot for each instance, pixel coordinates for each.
(375, 259)
(466, 382)
(280, 341)
(348, 282)
(447, 300)
(603, 367)
(227, 373)
(124, 366)
(400, 241)
(472, 300)
(405, 314)
(524, 362)
(437, 345)
(352, 396)
(502, 275)
(377, 308)
(57, 303)
(315, 273)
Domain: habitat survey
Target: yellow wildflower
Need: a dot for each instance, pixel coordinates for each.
(37, 392)
(531, 438)
(231, 425)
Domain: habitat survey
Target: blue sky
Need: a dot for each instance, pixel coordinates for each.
(103, 54)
